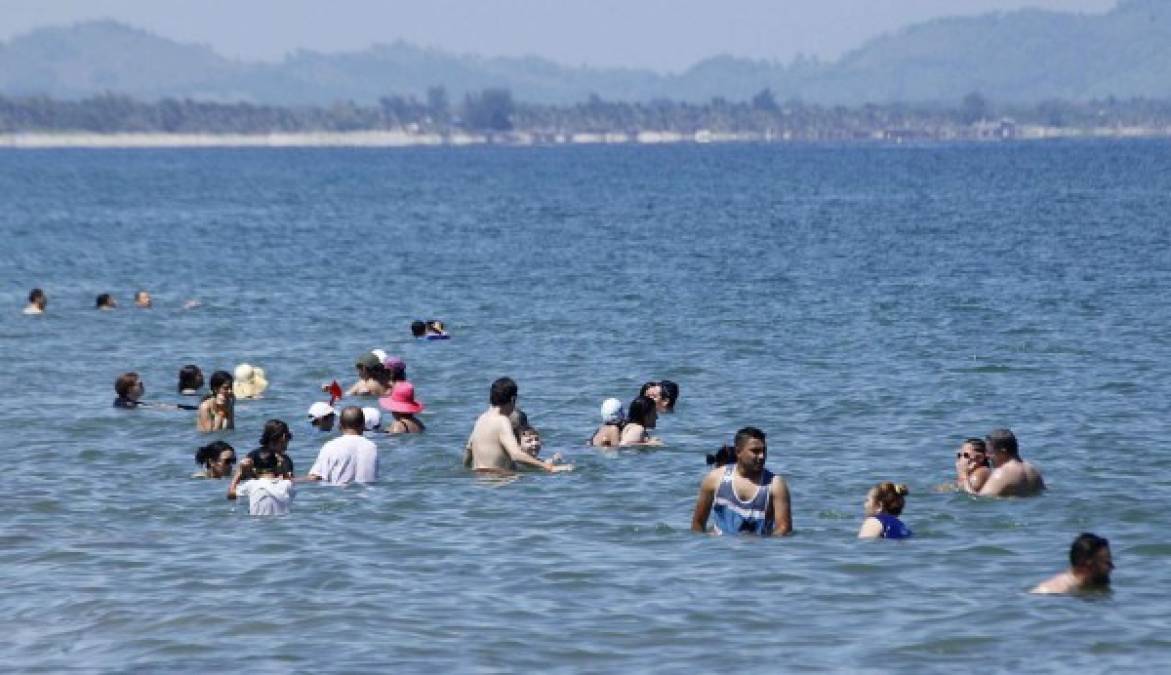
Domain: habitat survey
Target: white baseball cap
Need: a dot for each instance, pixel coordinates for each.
(373, 418)
(320, 409)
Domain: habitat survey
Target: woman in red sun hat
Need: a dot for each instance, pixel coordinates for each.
(402, 405)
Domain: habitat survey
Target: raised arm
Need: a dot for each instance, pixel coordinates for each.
(510, 445)
(782, 516)
(703, 503)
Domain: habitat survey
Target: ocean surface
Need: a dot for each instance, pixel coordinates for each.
(867, 306)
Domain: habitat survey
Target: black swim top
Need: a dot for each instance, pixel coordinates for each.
(126, 403)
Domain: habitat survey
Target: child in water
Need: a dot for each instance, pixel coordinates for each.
(530, 442)
(268, 495)
(884, 504)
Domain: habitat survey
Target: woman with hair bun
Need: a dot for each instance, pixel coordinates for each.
(884, 503)
(216, 458)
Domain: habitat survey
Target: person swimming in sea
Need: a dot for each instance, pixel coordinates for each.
(641, 417)
(744, 497)
(129, 390)
(36, 302)
(884, 504)
(609, 434)
(1090, 565)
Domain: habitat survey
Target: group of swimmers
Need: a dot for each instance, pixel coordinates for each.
(38, 301)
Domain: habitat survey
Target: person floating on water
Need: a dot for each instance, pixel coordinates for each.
(1090, 565)
(609, 434)
(493, 445)
(142, 300)
(403, 407)
(745, 497)
(216, 458)
(884, 503)
(105, 302)
(36, 302)
(1011, 477)
(218, 409)
(349, 458)
(431, 329)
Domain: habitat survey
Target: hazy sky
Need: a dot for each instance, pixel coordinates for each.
(659, 34)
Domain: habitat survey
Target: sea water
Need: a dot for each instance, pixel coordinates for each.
(868, 306)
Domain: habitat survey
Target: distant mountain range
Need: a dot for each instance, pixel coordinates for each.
(1016, 57)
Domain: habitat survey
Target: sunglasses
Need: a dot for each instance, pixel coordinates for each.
(968, 455)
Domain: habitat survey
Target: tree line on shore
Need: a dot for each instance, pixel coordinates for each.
(494, 111)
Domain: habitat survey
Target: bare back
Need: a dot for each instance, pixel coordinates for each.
(492, 444)
(1016, 478)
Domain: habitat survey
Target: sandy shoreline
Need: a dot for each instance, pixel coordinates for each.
(403, 139)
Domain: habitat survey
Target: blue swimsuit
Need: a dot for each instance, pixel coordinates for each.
(892, 527)
(734, 516)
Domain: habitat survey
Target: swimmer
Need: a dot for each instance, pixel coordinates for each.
(436, 330)
(268, 494)
(373, 380)
(218, 409)
(493, 444)
(745, 497)
(402, 405)
(641, 417)
(249, 381)
(36, 302)
(105, 302)
(129, 389)
(419, 328)
(884, 503)
(216, 458)
(272, 455)
(609, 435)
(1011, 477)
(142, 300)
(349, 458)
(973, 464)
(1090, 567)
(663, 393)
(322, 416)
(190, 380)
(530, 442)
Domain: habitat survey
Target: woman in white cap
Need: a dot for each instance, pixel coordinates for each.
(609, 435)
(249, 381)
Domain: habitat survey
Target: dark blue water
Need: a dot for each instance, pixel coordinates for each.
(867, 306)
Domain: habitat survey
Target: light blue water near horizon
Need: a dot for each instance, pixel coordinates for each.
(868, 306)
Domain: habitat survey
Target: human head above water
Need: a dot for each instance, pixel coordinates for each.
(275, 433)
(888, 497)
(190, 378)
(530, 440)
(503, 392)
(1090, 556)
(220, 379)
(128, 386)
(642, 411)
(36, 297)
(105, 301)
(217, 457)
(353, 419)
(142, 299)
(1003, 440)
(664, 393)
(418, 328)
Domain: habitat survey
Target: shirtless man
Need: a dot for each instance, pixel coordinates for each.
(1011, 476)
(745, 497)
(1090, 567)
(493, 446)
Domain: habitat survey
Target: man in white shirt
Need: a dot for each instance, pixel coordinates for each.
(349, 458)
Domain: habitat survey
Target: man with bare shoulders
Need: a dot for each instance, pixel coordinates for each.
(1090, 566)
(493, 445)
(1011, 476)
(744, 496)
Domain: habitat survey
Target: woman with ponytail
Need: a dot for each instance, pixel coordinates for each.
(884, 503)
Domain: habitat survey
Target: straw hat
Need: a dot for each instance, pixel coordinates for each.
(249, 381)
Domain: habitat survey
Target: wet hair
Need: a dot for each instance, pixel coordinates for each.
(503, 391)
(980, 446)
(640, 410)
(670, 393)
(125, 383)
(1085, 547)
(519, 420)
(418, 328)
(104, 300)
(205, 454)
(190, 377)
(1003, 439)
(274, 430)
(724, 456)
(36, 295)
(747, 433)
(218, 379)
(891, 497)
(526, 429)
(380, 374)
(646, 387)
(353, 418)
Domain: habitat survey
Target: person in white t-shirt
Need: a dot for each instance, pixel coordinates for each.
(267, 495)
(350, 458)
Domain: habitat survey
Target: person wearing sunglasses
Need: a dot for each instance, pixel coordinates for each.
(1011, 476)
(972, 465)
(216, 458)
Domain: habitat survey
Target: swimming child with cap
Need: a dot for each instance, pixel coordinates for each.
(884, 504)
(403, 406)
(609, 434)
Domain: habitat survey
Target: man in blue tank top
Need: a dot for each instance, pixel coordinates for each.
(744, 497)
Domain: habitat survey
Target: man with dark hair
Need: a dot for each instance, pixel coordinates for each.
(745, 497)
(1090, 565)
(1011, 476)
(105, 302)
(418, 328)
(493, 445)
(349, 458)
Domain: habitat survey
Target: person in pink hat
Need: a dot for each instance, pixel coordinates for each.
(402, 405)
